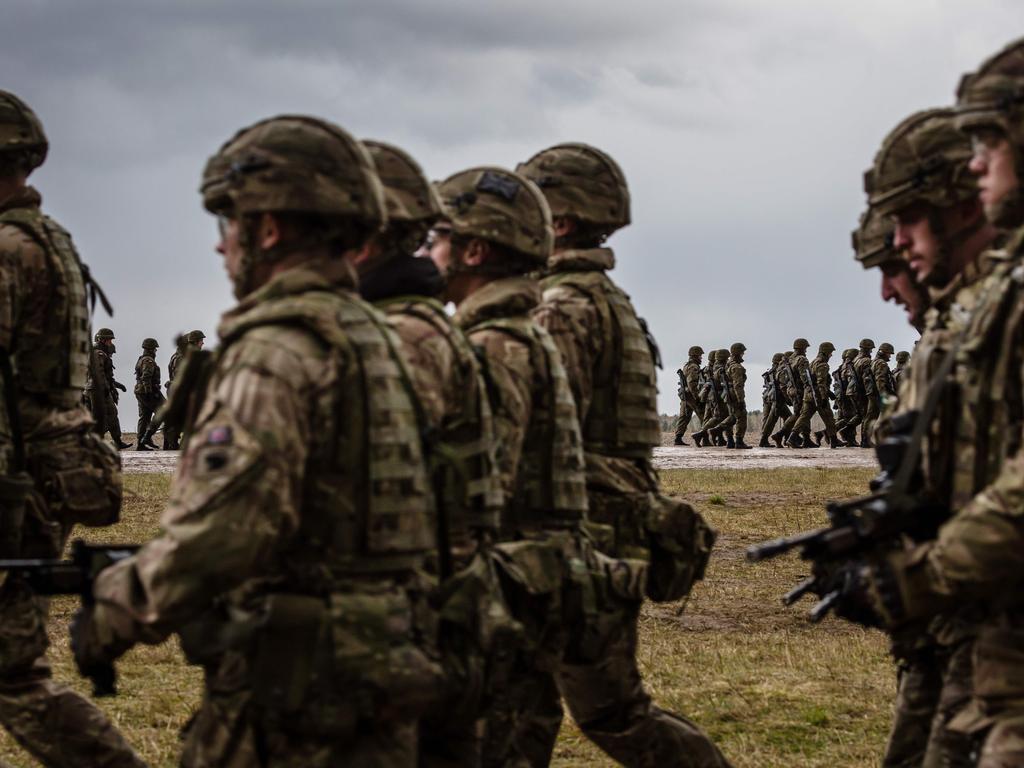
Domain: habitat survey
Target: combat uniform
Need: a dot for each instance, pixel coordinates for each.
(689, 396)
(44, 326)
(736, 376)
(798, 426)
(172, 437)
(885, 383)
(865, 396)
(775, 407)
(821, 380)
(101, 394)
(147, 394)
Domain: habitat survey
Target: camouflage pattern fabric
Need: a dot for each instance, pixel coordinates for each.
(147, 393)
(736, 375)
(689, 395)
(774, 403)
(865, 397)
(42, 303)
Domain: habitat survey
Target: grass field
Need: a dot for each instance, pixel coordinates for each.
(770, 688)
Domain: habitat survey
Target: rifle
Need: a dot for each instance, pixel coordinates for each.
(874, 523)
(814, 391)
(73, 577)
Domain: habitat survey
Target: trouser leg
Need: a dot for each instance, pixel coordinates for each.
(917, 698)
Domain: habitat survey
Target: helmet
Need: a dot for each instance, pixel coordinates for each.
(408, 195)
(902, 357)
(993, 98)
(294, 163)
(923, 159)
(582, 182)
(886, 348)
(777, 358)
(722, 355)
(867, 344)
(21, 131)
(737, 349)
(501, 207)
(149, 344)
(696, 352)
(787, 354)
(826, 347)
(873, 240)
(194, 337)
(849, 354)
(104, 333)
(801, 344)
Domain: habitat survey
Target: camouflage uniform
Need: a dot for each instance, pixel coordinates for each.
(774, 401)
(70, 476)
(147, 393)
(736, 376)
(301, 518)
(689, 393)
(821, 397)
(461, 452)
(101, 388)
(885, 384)
(865, 394)
(610, 358)
(902, 358)
(934, 661)
(716, 410)
(798, 426)
(848, 418)
(172, 437)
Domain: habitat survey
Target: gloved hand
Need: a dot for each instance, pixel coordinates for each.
(95, 651)
(120, 386)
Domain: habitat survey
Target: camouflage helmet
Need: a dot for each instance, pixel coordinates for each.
(722, 355)
(777, 358)
(408, 195)
(150, 344)
(886, 348)
(21, 130)
(826, 347)
(993, 97)
(924, 159)
(801, 344)
(787, 354)
(104, 333)
(194, 337)
(873, 240)
(849, 354)
(582, 182)
(903, 356)
(501, 207)
(297, 164)
(737, 349)
(867, 344)
(696, 352)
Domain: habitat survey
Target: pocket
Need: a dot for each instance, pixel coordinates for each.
(79, 476)
(681, 544)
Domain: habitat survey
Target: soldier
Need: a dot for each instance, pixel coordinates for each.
(723, 434)
(172, 437)
(715, 413)
(610, 358)
(941, 231)
(689, 393)
(736, 375)
(788, 387)
(820, 385)
(872, 247)
(147, 394)
(902, 358)
(453, 404)
(103, 389)
(797, 369)
(774, 400)
(196, 339)
(299, 522)
(848, 418)
(885, 384)
(64, 474)
(865, 394)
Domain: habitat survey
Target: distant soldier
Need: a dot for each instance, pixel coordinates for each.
(689, 393)
(172, 436)
(104, 389)
(820, 385)
(713, 412)
(725, 429)
(736, 375)
(147, 394)
(902, 358)
(798, 371)
(885, 384)
(196, 339)
(788, 388)
(865, 392)
(847, 416)
(774, 401)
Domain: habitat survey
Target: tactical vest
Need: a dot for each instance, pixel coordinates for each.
(172, 365)
(461, 458)
(367, 505)
(54, 365)
(862, 372)
(143, 387)
(550, 485)
(623, 416)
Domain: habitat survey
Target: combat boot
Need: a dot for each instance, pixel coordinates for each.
(741, 445)
(764, 443)
(142, 446)
(779, 437)
(729, 441)
(794, 441)
(817, 438)
(698, 438)
(148, 441)
(679, 440)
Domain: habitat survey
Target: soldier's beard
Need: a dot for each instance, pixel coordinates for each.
(1008, 211)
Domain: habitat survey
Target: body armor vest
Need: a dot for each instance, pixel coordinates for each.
(461, 457)
(53, 365)
(623, 416)
(368, 507)
(550, 485)
(142, 386)
(862, 370)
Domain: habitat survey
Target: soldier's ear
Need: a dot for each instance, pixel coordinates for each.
(268, 231)
(476, 252)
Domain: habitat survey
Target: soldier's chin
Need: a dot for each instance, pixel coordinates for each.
(1008, 211)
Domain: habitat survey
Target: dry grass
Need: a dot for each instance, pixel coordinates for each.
(772, 690)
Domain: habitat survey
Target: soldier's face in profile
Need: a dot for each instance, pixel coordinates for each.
(438, 246)
(993, 164)
(229, 247)
(900, 287)
(914, 237)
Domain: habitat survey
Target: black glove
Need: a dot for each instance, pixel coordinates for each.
(93, 660)
(120, 386)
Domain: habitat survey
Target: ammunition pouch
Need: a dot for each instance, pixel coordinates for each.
(14, 490)
(79, 478)
(680, 546)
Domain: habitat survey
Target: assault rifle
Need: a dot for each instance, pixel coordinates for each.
(861, 526)
(814, 390)
(73, 577)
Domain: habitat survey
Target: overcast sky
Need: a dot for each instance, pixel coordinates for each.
(743, 128)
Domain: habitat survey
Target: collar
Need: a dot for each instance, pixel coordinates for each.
(28, 197)
(505, 297)
(583, 260)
